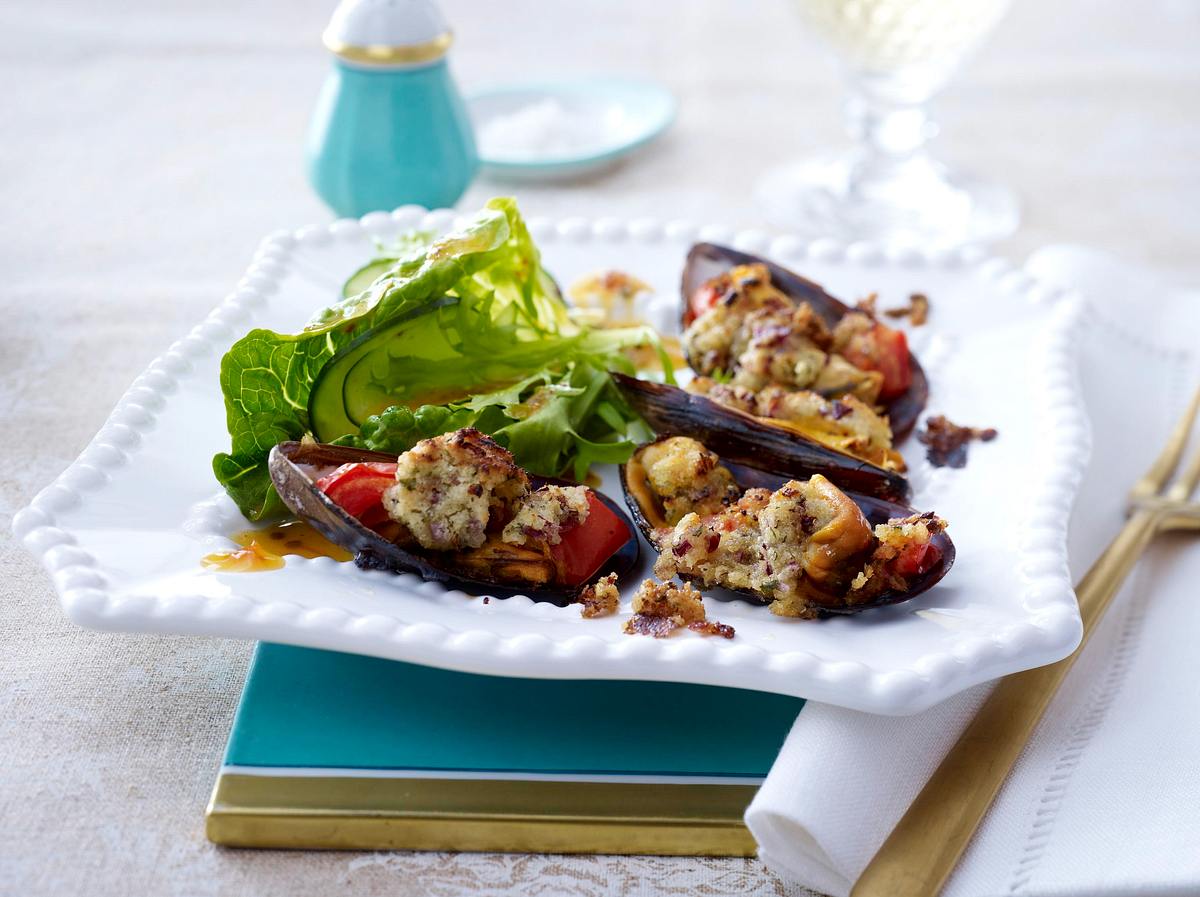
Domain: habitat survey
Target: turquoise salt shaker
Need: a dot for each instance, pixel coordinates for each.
(390, 127)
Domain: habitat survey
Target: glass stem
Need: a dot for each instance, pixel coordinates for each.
(889, 121)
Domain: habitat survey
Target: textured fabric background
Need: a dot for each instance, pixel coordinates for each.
(147, 147)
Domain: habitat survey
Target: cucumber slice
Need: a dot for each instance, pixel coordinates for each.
(366, 275)
(376, 370)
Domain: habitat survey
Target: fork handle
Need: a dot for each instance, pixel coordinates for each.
(925, 846)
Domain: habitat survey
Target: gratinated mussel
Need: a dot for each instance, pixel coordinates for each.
(486, 528)
(746, 439)
(897, 381)
(804, 547)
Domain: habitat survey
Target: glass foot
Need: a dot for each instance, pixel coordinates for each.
(915, 202)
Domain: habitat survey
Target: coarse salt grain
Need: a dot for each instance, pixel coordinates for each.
(545, 129)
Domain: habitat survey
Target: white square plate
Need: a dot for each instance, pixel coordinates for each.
(124, 528)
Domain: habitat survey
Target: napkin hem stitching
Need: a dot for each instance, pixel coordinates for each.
(1101, 699)
(1089, 722)
(1093, 314)
(1104, 693)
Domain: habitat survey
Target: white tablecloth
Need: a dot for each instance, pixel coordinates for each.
(147, 147)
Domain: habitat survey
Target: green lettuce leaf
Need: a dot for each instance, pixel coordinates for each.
(554, 422)
(492, 256)
(469, 310)
(266, 377)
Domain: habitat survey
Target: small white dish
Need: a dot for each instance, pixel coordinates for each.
(123, 529)
(566, 129)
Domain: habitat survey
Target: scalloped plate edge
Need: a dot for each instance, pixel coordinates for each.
(1051, 632)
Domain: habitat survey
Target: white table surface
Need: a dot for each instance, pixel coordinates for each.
(147, 147)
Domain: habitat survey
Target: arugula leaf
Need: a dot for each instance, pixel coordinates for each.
(509, 397)
(567, 431)
(554, 423)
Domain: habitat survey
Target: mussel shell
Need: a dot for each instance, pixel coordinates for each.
(373, 551)
(708, 260)
(745, 439)
(876, 510)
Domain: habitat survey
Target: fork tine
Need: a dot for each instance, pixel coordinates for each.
(1164, 465)
(1182, 488)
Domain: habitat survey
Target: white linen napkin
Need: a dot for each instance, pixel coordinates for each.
(1106, 797)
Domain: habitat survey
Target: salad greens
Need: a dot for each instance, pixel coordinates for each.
(471, 311)
(552, 421)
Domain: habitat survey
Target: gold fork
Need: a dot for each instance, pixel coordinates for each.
(925, 846)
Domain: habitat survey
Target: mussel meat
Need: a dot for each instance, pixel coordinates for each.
(803, 546)
(708, 261)
(746, 439)
(486, 564)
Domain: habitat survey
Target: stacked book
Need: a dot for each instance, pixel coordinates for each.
(334, 750)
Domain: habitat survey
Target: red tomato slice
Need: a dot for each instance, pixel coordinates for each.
(584, 549)
(893, 361)
(917, 559)
(885, 350)
(704, 298)
(358, 488)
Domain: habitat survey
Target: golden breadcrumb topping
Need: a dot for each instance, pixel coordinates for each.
(917, 310)
(686, 477)
(758, 336)
(601, 598)
(659, 608)
(947, 441)
(805, 548)
(666, 599)
(727, 394)
(448, 487)
(545, 514)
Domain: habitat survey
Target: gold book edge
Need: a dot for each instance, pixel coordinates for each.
(501, 815)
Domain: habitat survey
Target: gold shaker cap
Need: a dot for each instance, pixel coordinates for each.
(388, 32)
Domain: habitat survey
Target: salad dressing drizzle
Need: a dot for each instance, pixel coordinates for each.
(264, 549)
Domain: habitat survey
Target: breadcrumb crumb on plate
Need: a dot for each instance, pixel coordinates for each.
(712, 627)
(659, 608)
(601, 598)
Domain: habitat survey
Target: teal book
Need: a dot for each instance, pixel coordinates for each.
(342, 751)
